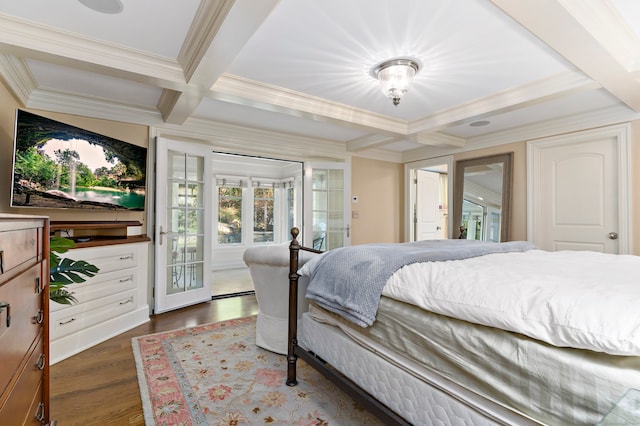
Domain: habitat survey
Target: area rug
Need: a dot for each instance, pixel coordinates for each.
(215, 374)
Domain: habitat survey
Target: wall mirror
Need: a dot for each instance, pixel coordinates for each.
(482, 198)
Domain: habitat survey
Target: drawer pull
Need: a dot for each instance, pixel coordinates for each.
(126, 257)
(1, 261)
(42, 361)
(37, 280)
(8, 306)
(38, 318)
(124, 280)
(40, 412)
(66, 322)
(129, 300)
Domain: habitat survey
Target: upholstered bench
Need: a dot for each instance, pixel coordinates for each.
(269, 268)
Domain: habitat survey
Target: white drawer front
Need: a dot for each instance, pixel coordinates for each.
(107, 258)
(101, 285)
(81, 316)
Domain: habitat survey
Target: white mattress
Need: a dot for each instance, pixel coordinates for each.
(552, 385)
(415, 393)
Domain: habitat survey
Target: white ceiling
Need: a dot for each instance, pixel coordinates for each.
(302, 67)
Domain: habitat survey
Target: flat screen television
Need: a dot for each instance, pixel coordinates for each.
(56, 165)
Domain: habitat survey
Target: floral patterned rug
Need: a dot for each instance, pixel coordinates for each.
(214, 374)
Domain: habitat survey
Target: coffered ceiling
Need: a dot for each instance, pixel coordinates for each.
(491, 71)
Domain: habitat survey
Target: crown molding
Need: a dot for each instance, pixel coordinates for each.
(438, 139)
(60, 46)
(244, 140)
(18, 77)
(381, 155)
(542, 90)
(235, 89)
(589, 120)
(68, 103)
(228, 137)
(371, 141)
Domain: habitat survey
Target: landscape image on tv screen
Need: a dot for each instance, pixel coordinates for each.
(56, 165)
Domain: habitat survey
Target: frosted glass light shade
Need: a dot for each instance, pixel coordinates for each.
(395, 77)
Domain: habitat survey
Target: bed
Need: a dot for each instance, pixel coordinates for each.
(560, 346)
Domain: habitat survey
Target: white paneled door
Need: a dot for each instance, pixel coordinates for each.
(183, 224)
(578, 191)
(430, 223)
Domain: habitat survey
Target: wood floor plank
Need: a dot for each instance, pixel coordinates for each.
(99, 386)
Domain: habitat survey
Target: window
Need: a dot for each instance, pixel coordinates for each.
(263, 202)
(229, 214)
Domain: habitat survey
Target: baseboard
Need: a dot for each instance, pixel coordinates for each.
(75, 343)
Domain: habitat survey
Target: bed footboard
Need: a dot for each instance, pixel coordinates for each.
(294, 351)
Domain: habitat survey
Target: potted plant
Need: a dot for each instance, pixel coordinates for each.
(65, 271)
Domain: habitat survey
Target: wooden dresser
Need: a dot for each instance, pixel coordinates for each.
(24, 320)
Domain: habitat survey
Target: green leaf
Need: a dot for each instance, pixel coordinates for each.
(59, 294)
(64, 271)
(60, 244)
(69, 271)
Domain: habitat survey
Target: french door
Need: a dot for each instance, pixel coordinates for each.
(183, 225)
(327, 205)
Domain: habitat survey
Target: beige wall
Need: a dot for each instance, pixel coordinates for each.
(518, 223)
(379, 187)
(136, 134)
(518, 228)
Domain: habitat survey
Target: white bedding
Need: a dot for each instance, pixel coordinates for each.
(575, 299)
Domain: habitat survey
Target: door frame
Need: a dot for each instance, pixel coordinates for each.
(621, 134)
(161, 301)
(307, 195)
(410, 197)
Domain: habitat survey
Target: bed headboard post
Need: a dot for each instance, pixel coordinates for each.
(294, 250)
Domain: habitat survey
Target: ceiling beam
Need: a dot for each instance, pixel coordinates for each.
(559, 85)
(577, 35)
(371, 141)
(221, 28)
(242, 91)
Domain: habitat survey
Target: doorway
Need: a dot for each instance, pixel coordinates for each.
(579, 191)
(256, 202)
(428, 190)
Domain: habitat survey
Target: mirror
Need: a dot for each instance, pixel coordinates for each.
(482, 198)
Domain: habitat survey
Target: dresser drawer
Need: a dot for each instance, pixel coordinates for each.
(102, 285)
(107, 258)
(16, 248)
(25, 308)
(22, 406)
(79, 317)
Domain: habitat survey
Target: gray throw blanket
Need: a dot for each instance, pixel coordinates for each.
(349, 280)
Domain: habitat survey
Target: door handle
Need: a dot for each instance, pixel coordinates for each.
(613, 235)
(161, 234)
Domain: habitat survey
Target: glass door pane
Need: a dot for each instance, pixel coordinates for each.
(183, 234)
(329, 208)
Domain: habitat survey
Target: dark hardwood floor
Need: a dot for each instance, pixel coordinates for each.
(99, 386)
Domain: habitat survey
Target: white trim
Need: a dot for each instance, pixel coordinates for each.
(598, 118)
(621, 133)
(409, 169)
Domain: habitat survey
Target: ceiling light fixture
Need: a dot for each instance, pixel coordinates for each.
(395, 77)
(110, 7)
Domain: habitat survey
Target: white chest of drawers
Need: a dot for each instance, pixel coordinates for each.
(111, 302)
